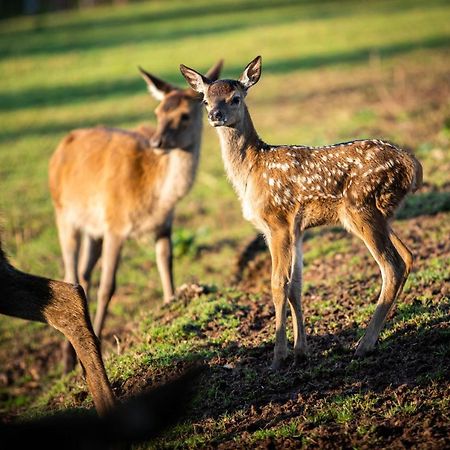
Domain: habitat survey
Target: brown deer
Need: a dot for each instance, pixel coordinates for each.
(64, 307)
(109, 184)
(285, 189)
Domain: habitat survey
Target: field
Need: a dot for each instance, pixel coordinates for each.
(332, 71)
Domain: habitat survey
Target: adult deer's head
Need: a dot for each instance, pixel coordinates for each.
(224, 99)
(178, 113)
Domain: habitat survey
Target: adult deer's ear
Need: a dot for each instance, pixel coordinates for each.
(158, 88)
(196, 80)
(213, 74)
(251, 73)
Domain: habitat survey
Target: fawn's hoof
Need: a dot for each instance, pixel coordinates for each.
(278, 363)
(300, 358)
(363, 349)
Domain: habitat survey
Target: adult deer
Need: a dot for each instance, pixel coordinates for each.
(110, 184)
(286, 189)
(64, 307)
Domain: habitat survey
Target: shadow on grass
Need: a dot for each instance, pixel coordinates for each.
(67, 94)
(422, 204)
(47, 38)
(107, 34)
(238, 378)
(218, 8)
(123, 25)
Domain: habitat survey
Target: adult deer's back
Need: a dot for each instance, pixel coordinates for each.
(109, 184)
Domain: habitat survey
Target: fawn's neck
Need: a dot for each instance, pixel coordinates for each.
(237, 143)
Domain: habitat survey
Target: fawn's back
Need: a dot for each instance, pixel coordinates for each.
(318, 180)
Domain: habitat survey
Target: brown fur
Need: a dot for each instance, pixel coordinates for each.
(287, 189)
(108, 184)
(64, 307)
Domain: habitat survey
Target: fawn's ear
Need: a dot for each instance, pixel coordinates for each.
(213, 74)
(196, 80)
(158, 88)
(251, 73)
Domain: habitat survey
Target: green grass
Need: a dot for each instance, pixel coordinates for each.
(332, 71)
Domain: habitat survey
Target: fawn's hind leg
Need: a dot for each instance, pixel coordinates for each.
(373, 229)
(294, 298)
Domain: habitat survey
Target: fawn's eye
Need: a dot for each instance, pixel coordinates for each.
(205, 102)
(184, 117)
(235, 100)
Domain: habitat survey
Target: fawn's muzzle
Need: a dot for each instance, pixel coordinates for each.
(216, 117)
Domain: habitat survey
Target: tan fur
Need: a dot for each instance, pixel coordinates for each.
(109, 184)
(287, 189)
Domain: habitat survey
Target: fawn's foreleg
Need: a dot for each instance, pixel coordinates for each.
(280, 245)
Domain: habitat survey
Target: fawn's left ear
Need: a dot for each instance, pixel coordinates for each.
(251, 73)
(196, 80)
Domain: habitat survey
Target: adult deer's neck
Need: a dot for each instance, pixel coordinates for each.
(183, 163)
(239, 144)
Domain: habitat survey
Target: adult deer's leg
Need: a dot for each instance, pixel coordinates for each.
(67, 311)
(112, 245)
(294, 297)
(280, 245)
(374, 231)
(164, 261)
(90, 253)
(63, 306)
(69, 238)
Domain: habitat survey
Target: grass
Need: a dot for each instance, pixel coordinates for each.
(332, 71)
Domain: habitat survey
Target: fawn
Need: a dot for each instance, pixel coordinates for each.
(64, 307)
(109, 184)
(285, 189)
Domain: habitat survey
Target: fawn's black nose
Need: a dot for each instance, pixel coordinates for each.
(216, 115)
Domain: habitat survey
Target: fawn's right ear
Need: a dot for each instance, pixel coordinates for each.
(196, 80)
(158, 88)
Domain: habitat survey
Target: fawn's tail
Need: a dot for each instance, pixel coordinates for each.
(418, 175)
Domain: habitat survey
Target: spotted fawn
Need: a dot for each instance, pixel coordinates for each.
(286, 189)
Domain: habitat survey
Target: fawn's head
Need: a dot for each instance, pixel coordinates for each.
(224, 99)
(178, 113)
